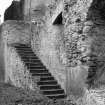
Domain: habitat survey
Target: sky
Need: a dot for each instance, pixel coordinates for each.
(4, 4)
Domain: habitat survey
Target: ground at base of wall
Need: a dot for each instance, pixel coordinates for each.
(10, 95)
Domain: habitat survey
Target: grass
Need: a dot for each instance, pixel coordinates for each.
(10, 95)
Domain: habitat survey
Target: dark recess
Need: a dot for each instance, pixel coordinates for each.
(15, 11)
(58, 20)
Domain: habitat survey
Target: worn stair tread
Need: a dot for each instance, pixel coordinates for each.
(52, 92)
(47, 84)
(41, 74)
(37, 63)
(23, 48)
(44, 87)
(27, 52)
(52, 89)
(35, 57)
(31, 60)
(34, 63)
(36, 67)
(55, 96)
(39, 66)
(46, 78)
(50, 85)
(54, 82)
(25, 57)
(20, 44)
(38, 71)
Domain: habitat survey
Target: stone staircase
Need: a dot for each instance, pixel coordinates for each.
(47, 84)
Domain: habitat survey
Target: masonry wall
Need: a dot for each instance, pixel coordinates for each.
(46, 37)
(84, 43)
(47, 43)
(74, 51)
(16, 32)
(15, 71)
(2, 64)
(11, 32)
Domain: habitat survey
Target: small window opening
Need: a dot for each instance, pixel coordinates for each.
(58, 20)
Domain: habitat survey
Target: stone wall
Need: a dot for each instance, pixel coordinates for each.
(74, 51)
(12, 32)
(16, 32)
(2, 63)
(15, 72)
(84, 43)
(47, 41)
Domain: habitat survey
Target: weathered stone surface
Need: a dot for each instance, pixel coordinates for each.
(84, 42)
(74, 51)
(16, 32)
(16, 72)
(47, 41)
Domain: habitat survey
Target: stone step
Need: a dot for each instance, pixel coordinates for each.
(31, 55)
(31, 60)
(34, 63)
(36, 68)
(53, 92)
(38, 71)
(41, 74)
(46, 78)
(53, 82)
(47, 84)
(20, 44)
(22, 47)
(47, 87)
(23, 54)
(56, 96)
(28, 54)
(24, 50)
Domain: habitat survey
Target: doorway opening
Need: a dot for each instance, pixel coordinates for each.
(58, 20)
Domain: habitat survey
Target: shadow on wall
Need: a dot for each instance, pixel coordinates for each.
(15, 11)
(58, 20)
(2, 67)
